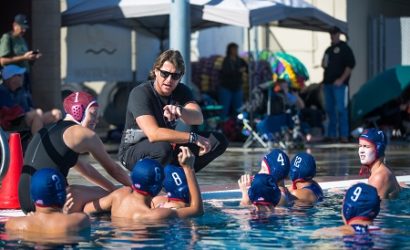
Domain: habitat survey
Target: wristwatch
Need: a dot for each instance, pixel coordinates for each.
(193, 137)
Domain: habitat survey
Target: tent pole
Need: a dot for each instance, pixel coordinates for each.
(250, 61)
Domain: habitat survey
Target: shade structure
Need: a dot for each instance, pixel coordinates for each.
(151, 16)
(285, 13)
(383, 88)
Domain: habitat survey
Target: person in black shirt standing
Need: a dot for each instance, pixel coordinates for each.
(152, 111)
(338, 63)
(230, 91)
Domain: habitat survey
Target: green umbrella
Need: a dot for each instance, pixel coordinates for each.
(383, 88)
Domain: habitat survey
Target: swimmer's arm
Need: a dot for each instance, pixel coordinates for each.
(244, 183)
(84, 140)
(103, 204)
(303, 196)
(195, 207)
(77, 221)
(91, 174)
(97, 150)
(17, 224)
(380, 182)
(332, 232)
(154, 133)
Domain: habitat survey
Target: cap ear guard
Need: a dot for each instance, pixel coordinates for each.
(377, 138)
(77, 112)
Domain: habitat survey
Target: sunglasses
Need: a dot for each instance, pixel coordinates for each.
(174, 76)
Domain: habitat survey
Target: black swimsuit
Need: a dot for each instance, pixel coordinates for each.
(46, 150)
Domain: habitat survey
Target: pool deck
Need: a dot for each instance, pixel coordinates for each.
(335, 162)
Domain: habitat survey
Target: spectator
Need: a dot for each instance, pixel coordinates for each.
(14, 49)
(230, 91)
(338, 63)
(15, 109)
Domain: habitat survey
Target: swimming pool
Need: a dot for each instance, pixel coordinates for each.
(225, 225)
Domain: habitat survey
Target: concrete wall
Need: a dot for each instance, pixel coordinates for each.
(358, 16)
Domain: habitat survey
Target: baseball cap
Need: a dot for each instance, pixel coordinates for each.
(47, 188)
(264, 191)
(11, 70)
(175, 183)
(77, 103)
(302, 167)
(21, 20)
(377, 138)
(278, 164)
(361, 200)
(147, 177)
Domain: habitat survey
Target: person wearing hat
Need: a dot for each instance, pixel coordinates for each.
(14, 48)
(338, 63)
(372, 144)
(59, 145)
(302, 171)
(15, 110)
(176, 186)
(276, 164)
(135, 201)
(48, 191)
(263, 193)
(361, 205)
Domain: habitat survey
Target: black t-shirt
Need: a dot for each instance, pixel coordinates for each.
(337, 58)
(144, 100)
(231, 75)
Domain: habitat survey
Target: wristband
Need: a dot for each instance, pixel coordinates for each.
(193, 137)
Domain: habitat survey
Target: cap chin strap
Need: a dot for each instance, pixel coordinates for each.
(140, 191)
(52, 205)
(365, 170)
(262, 203)
(176, 199)
(85, 111)
(267, 165)
(358, 218)
(296, 181)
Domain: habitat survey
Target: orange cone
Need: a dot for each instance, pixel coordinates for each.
(9, 186)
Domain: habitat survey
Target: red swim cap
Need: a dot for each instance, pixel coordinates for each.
(77, 103)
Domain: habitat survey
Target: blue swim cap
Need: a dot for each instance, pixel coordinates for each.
(147, 176)
(302, 167)
(377, 138)
(278, 164)
(175, 183)
(48, 188)
(361, 200)
(264, 190)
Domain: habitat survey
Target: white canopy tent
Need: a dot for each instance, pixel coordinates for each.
(285, 13)
(147, 15)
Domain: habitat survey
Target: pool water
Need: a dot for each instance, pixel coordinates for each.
(225, 225)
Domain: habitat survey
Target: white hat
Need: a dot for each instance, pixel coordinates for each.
(11, 70)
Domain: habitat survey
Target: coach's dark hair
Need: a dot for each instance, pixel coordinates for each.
(172, 56)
